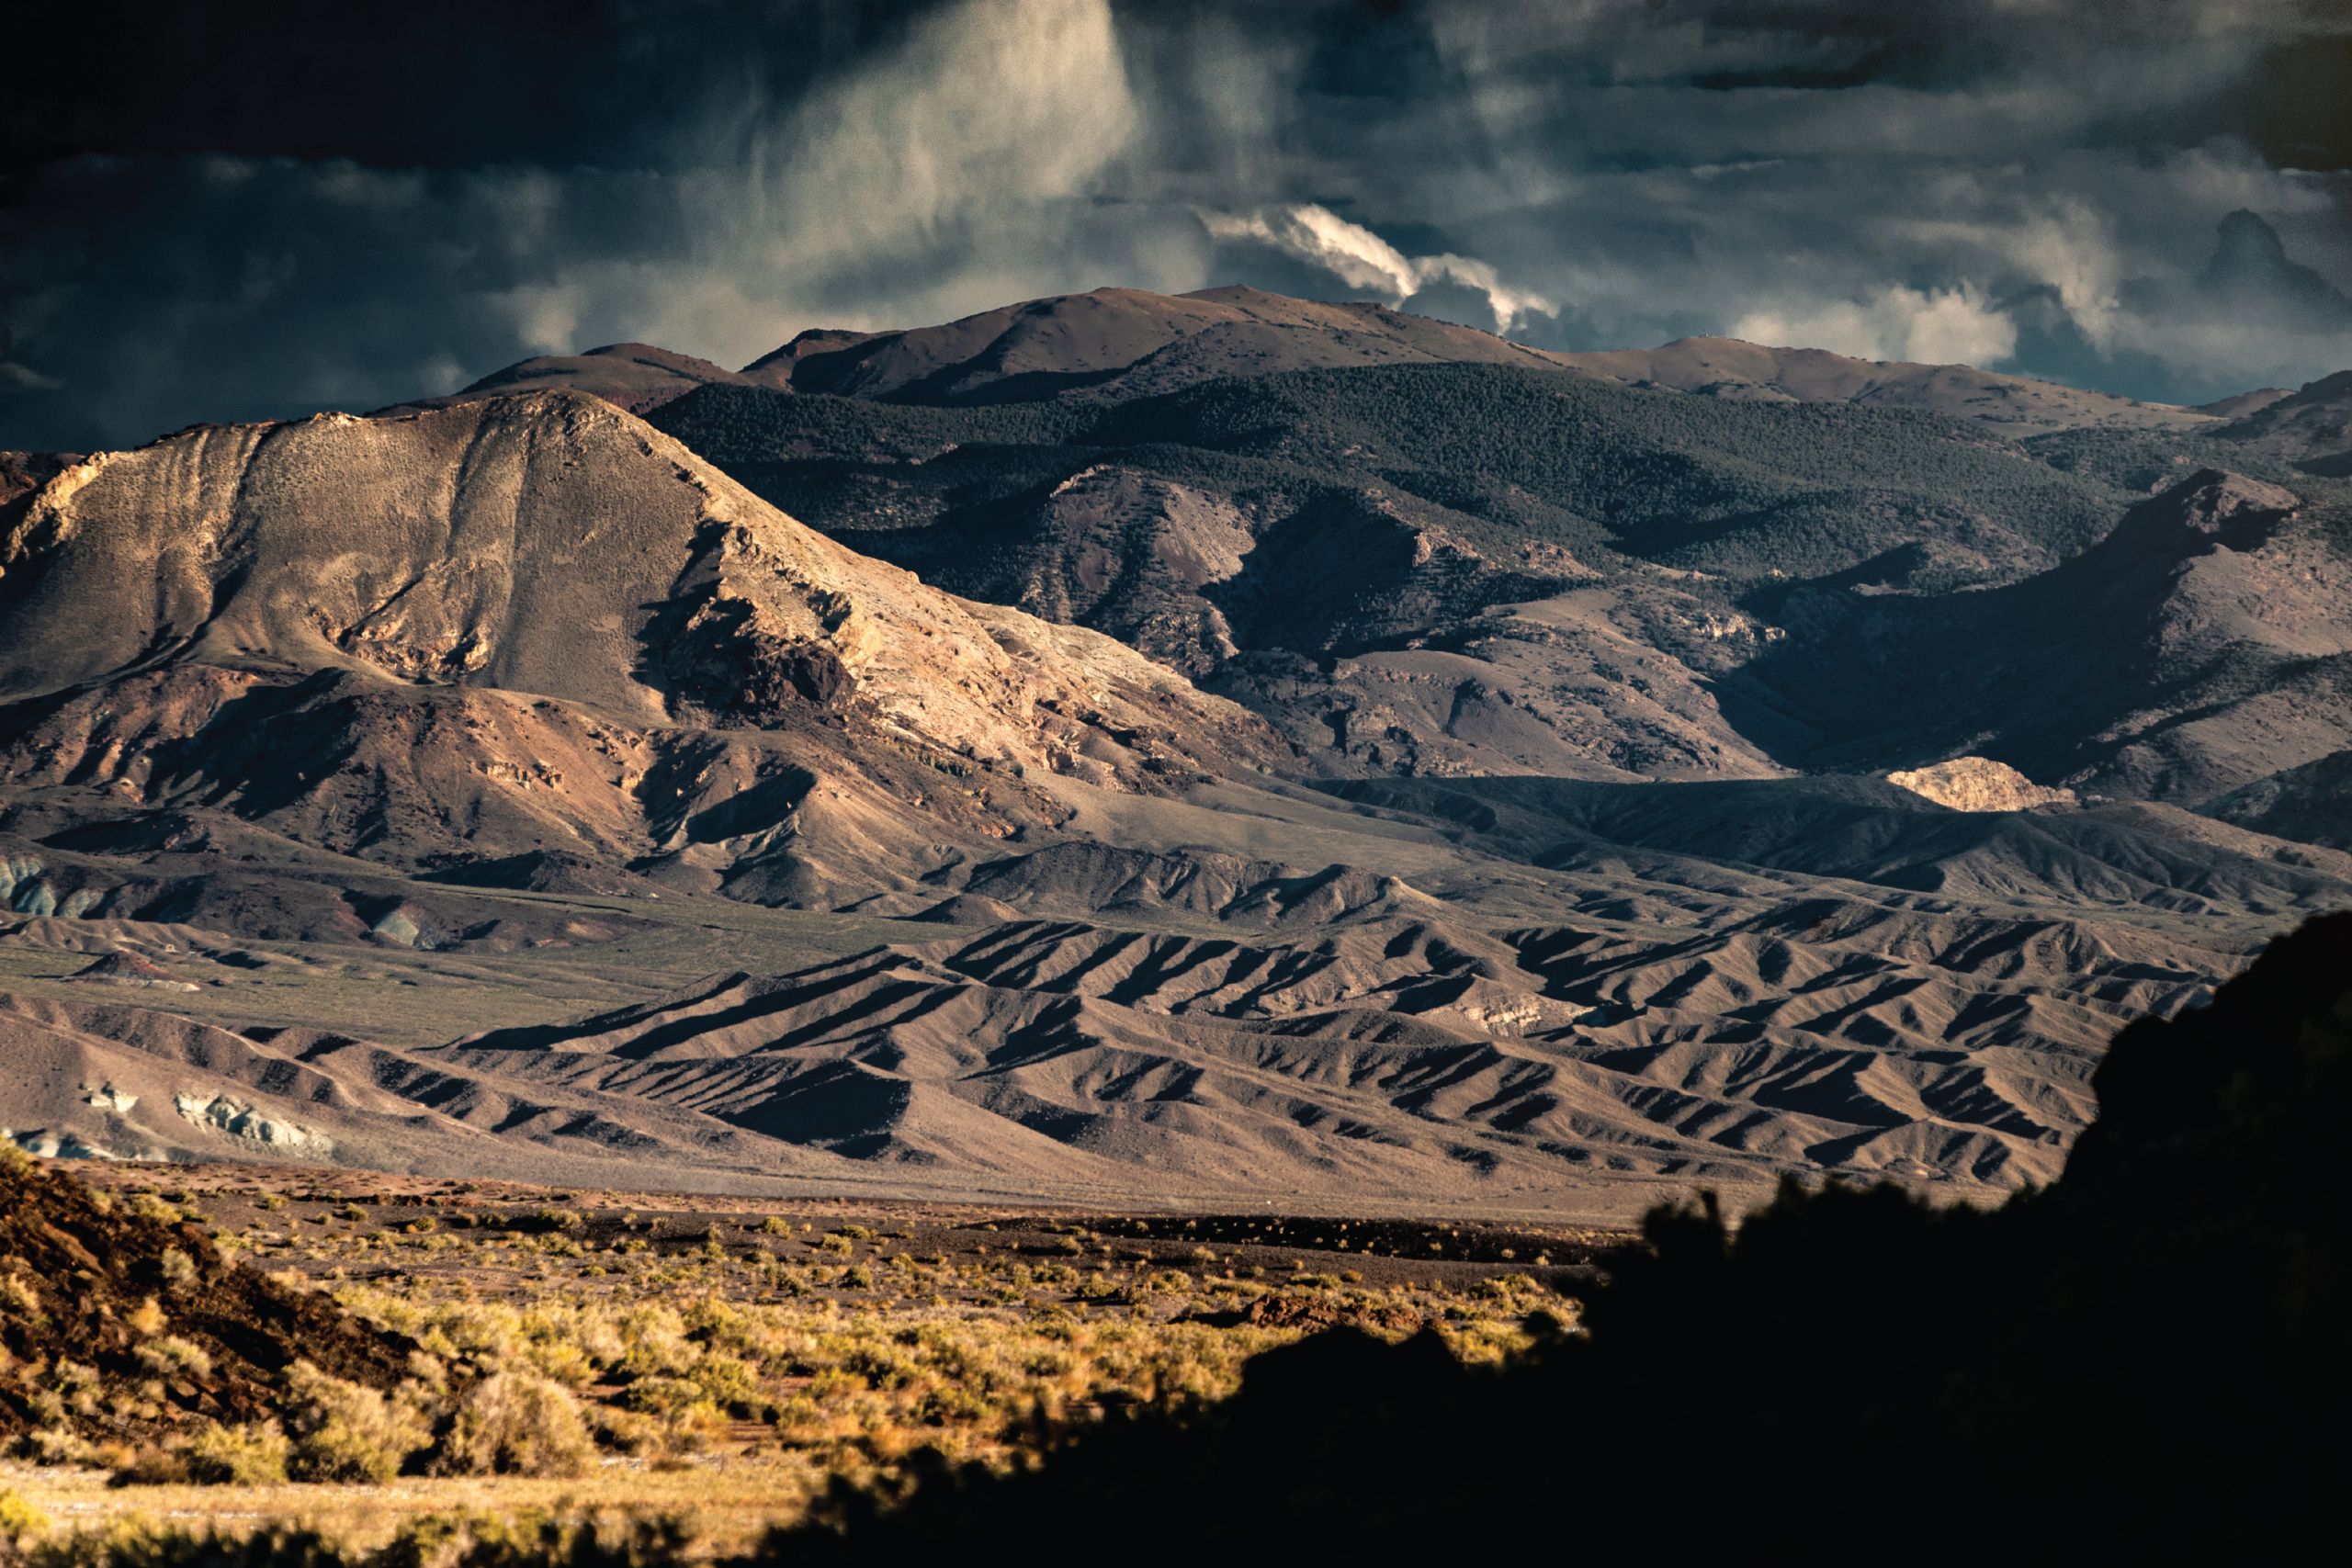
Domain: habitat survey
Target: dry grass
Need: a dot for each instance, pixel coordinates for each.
(625, 1360)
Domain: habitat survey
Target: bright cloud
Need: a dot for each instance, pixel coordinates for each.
(1362, 259)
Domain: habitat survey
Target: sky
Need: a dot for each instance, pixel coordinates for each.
(220, 212)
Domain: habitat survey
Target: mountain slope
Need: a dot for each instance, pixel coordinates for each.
(2311, 426)
(2207, 642)
(2312, 802)
(1432, 567)
(1727, 367)
(1115, 343)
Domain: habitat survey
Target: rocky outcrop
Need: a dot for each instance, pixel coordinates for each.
(2212, 507)
(1978, 783)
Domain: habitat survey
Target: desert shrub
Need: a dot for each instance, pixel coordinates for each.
(680, 1409)
(19, 1520)
(60, 1444)
(152, 1464)
(345, 1432)
(518, 1424)
(147, 1206)
(169, 1355)
(504, 1540)
(19, 1297)
(255, 1455)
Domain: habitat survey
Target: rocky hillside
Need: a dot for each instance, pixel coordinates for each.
(132, 1307)
(2311, 426)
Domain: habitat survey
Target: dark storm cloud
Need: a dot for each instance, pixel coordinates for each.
(221, 212)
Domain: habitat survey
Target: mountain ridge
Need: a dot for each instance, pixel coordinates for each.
(1116, 342)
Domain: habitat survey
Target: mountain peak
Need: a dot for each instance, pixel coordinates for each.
(548, 543)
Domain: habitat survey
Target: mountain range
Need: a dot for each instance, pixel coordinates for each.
(1162, 747)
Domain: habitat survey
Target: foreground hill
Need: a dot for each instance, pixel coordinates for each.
(164, 1329)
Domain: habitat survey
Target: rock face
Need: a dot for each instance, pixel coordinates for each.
(2210, 508)
(1978, 783)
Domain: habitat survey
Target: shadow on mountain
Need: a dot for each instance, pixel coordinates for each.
(2147, 1356)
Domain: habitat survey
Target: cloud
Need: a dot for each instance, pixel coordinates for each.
(1980, 180)
(1942, 326)
(1362, 259)
(957, 165)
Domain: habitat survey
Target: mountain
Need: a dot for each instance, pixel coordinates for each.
(2251, 274)
(534, 621)
(1438, 774)
(1118, 342)
(1441, 568)
(634, 376)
